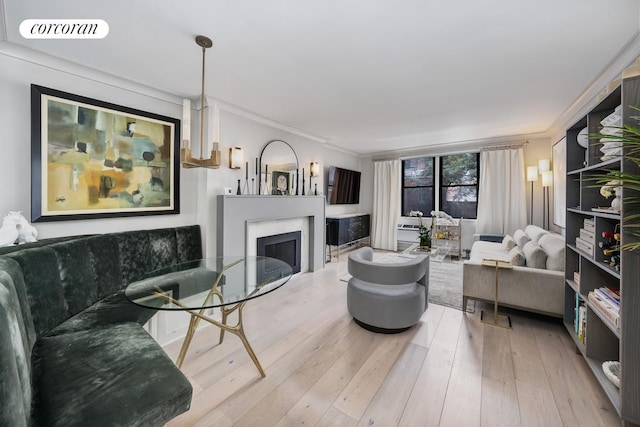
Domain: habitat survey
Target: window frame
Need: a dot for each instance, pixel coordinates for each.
(433, 185)
(437, 179)
(441, 186)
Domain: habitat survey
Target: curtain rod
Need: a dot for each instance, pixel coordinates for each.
(504, 146)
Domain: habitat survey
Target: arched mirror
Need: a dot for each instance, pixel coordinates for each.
(278, 169)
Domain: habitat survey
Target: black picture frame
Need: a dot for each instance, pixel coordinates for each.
(92, 159)
(280, 183)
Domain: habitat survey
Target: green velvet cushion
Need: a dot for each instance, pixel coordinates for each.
(15, 279)
(76, 275)
(15, 364)
(189, 241)
(114, 376)
(110, 310)
(44, 290)
(135, 254)
(105, 260)
(163, 248)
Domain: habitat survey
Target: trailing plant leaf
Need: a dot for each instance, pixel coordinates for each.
(628, 137)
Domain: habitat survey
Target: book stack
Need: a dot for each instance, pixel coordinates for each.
(576, 277)
(580, 322)
(587, 239)
(606, 301)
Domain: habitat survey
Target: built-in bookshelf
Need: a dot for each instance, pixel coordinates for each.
(602, 292)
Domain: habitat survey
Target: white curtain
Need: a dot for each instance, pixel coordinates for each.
(502, 204)
(386, 204)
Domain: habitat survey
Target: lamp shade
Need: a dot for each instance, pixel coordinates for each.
(315, 169)
(544, 165)
(547, 178)
(236, 158)
(532, 173)
(186, 122)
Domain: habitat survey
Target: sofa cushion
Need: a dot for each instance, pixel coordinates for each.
(508, 243)
(75, 268)
(15, 363)
(163, 247)
(135, 254)
(534, 232)
(516, 257)
(189, 241)
(110, 310)
(73, 373)
(521, 238)
(105, 260)
(553, 246)
(44, 289)
(534, 255)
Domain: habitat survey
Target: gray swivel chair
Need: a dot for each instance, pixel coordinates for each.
(387, 297)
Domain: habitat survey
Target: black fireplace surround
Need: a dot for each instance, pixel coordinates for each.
(285, 247)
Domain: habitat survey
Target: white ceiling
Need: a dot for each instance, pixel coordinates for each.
(366, 75)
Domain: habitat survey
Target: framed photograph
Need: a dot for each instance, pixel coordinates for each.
(280, 183)
(559, 154)
(92, 159)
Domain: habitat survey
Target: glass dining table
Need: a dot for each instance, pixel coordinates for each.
(226, 282)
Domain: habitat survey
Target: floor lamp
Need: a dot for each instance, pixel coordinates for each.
(547, 179)
(544, 166)
(532, 175)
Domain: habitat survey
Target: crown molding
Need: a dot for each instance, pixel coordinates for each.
(54, 63)
(238, 111)
(597, 88)
(455, 147)
(334, 147)
(58, 64)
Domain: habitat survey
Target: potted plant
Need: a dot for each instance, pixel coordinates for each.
(424, 232)
(627, 180)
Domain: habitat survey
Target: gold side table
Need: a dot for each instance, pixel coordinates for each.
(500, 320)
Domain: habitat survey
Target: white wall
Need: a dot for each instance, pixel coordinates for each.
(238, 130)
(539, 148)
(15, 139)
(343, 159)
(198, 187)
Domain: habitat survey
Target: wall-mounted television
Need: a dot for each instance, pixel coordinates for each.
(343, 186)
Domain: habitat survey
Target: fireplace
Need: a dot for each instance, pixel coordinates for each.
(285, 247)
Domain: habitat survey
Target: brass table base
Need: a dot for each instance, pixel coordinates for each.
(237, 330)
(501, 320)
(196, 316)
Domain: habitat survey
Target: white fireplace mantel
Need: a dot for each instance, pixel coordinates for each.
(235, 213)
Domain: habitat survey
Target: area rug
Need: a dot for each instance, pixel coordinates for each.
(445, 279)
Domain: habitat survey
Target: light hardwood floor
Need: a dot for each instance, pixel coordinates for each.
(324, 370)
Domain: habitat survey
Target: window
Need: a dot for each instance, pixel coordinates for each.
(456, 187)
(418, 185)
(459, 185)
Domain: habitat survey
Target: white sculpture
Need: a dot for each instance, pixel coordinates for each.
(16, 229)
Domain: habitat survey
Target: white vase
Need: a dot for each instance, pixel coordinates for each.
(616, 203)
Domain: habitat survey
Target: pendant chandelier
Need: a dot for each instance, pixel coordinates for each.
(213, 162)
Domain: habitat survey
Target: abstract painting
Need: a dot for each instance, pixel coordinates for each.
(93, 159)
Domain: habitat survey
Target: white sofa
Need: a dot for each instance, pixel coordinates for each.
(536, 281)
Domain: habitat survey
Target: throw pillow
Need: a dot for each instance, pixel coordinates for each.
(521, 238)
(508, 243)
(534, 232)
(553, 245)
(534, 255)
(516, 256)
